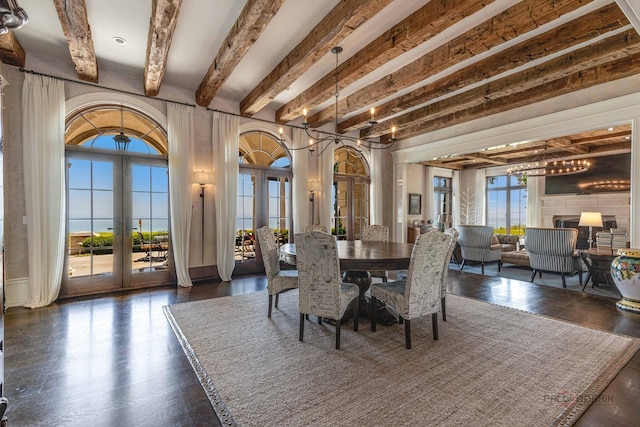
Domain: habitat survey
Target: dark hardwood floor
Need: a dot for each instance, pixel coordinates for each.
(113, 360)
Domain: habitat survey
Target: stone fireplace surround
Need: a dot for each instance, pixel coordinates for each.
(565, 209)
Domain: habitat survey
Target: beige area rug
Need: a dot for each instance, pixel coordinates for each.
(492, 366)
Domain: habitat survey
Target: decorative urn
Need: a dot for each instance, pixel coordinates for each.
(625, 270)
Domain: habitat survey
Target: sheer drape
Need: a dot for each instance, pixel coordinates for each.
(226, 137)
(300, 182)
(535, 189)
(480, 196)
(44, 181)
(180, 135)
(376, 187)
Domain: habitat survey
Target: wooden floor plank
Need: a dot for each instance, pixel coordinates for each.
(113, 360)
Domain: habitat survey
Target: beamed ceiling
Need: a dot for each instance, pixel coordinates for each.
(424, 65)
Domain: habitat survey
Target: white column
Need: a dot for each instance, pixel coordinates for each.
(634, 191)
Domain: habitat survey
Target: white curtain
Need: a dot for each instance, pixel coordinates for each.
(376, 187)
(226, 137)
(326, 177)
(44, 181)
(535, 189)
(180, 133)
(301, 214)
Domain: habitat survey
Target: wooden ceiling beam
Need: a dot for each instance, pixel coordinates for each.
(497, 30)
(486, 158)
(163, 21)
(428, 21)
(579, 30)
(252, 21)
(343, 19)
(75, 25)
(11, 51)
(598, 74)
(567, 145)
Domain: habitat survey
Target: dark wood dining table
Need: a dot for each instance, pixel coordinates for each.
(357, 258)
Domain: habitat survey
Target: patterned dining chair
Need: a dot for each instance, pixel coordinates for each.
(321, 290)
(376, 233)
(445, 271)
(420, 294)
(277, 280)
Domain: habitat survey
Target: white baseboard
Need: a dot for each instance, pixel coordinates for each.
(16, 292)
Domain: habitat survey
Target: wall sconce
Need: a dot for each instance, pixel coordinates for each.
(314, 187)
(202, 178)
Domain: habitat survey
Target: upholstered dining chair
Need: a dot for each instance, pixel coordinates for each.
(475, 245)
(321, 290)
(315, 227)
(445, 271)
(420, 294)
(553, 250)
(376, 233)
(277, 280)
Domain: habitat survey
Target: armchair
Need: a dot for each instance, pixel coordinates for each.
(277, 280)
(554, 250)
(475, 245)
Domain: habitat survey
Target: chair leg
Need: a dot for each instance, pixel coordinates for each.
(482, 268)
(270, 302)
(462, 264)
(301, 334)
(356, 307)
(499, 266)
(373, 305)
(407, 333)
(564, 281)
(434, 322)
(338, 323)
(277, 299)
(580, 276)
(533, 275)
(444, 309)
(319, 320)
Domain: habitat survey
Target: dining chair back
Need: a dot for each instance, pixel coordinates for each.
(277, 280)
(321, 290)
(420, 294)
(376, 233)
(445, 271)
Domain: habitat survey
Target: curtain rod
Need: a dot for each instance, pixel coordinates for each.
(24, 70)
(103, 87)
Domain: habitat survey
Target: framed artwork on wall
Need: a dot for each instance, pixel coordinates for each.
(414, 204)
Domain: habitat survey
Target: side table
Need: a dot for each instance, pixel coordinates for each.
(598, 263)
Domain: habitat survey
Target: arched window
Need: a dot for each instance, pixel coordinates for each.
(118, 200)
(264, 191)
(350, 194)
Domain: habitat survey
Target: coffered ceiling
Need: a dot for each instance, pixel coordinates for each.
(424, 65)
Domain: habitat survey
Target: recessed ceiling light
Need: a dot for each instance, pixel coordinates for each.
(610, 129)
(119, 40)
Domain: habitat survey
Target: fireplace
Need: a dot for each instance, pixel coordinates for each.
(571, 221)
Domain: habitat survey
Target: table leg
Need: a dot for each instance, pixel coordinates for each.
(363, 280)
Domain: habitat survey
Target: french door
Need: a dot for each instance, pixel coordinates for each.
(350, 207)
(117, 222)
(264, 198)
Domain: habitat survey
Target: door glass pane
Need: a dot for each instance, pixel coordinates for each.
(279, 198)
(150, 218)
(340, 210)
(90, 218)
(245, 217)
